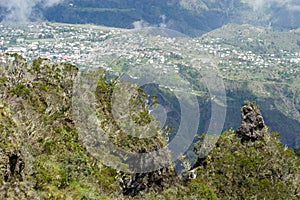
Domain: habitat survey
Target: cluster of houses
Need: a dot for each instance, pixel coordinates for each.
(58, 42)
(89, 45)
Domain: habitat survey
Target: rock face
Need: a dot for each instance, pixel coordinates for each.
(253, 125)
(144, 182)
(15, 167)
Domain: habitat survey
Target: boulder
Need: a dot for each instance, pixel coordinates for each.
(253, 125)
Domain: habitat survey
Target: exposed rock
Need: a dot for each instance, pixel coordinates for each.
(253, 125)
(189, 175)
(15, 167)
(144, 182)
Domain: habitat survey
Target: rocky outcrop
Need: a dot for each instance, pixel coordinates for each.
(156, 181)
(149, 173)
(15, 166)
(253, 125)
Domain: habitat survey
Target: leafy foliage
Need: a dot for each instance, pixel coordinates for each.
(36, 127)
(261, 169)
(43, 157)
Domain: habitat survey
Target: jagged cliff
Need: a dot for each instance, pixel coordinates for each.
(43, 155)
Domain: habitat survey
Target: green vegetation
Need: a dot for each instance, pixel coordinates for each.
(37, 128)
(193, 17)
(260, 169)
(43, 156)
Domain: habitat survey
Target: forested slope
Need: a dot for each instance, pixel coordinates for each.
(44, 156)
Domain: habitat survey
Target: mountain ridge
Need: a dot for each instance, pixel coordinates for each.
(191, 17)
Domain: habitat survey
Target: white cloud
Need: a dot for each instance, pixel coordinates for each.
(143, 24)
(21, 10)
(140, 24)
(163, 23)
(294, 7)
(261, 4)
(50, 3)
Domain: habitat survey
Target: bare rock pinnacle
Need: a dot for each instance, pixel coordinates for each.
(253, 125)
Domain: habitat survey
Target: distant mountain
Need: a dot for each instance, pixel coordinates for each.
(172, 14)
(192, 17)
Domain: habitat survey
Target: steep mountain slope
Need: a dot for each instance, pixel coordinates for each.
(130, 14)
(273, 84)
(254, 63)
(43, 154)
(192, 17)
